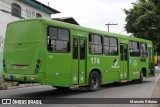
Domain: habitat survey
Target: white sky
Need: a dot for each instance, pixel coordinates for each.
(94, 13)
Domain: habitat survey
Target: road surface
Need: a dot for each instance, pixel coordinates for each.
(126, 90)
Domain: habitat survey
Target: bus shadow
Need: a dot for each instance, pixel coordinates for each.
(52, 93)
(117, 84)
(55, 93)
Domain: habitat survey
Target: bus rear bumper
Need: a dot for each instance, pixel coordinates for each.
(23, 78)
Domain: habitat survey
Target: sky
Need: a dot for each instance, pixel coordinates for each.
(94, 13)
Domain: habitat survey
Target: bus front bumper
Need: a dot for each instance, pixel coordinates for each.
(23, 78)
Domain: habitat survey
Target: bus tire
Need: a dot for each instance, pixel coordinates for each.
(94, 81)
(141, 78)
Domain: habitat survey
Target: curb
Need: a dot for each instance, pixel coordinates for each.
(156, 91)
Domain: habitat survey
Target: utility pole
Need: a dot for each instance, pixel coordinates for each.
(48, 3)
(111, 24)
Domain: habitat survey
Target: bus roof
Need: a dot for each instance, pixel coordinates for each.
(84, 29)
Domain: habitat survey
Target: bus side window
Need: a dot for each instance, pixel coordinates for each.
(143, 48)
(95, 44)
(113, 46)
(52, 35)
(134, 49)
(110, 46)
(106, 45)
(58, 40)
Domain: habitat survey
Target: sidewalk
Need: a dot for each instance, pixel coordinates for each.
(156, 91)
(5, 85)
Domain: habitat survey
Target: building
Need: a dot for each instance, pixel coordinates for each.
(67, 20)
(11, 10)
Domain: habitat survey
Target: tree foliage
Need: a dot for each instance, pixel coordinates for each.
(143, 20)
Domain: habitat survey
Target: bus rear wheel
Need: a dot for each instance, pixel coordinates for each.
(94, 81)
(141, 78)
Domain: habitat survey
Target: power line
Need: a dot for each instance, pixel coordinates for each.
(101, 11)
(92, 10)
(96, 8)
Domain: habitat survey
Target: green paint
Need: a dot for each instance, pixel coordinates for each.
(26, 42)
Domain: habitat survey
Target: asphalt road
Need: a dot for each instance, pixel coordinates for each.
(125, 90)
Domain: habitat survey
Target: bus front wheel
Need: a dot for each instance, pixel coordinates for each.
(94, 81)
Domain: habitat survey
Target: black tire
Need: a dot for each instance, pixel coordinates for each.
(141, 78)
(94, 81)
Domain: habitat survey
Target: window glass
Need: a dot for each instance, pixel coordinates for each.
(97, 39)
(59, 46)
(82, 49)
(125, 53)
(16, 10)
(113, 42)
(95, 44)
(143, 46)
(38, 15)
(113, 46)
(91, 49)
(53, 34)
(113, 50)
(58, 40)
(106, 50)
(63, 34)
(135, 45)
(75, 48)
(144, 52)
(121, 52)
(110, 46)
(130, 45)
(106, 46)
(106, 40)
(98, 49)
(134, 49)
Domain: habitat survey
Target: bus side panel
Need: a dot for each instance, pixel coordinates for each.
(104, 64)
(134, 68)
(58, 67)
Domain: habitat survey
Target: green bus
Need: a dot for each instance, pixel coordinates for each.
(64, 55)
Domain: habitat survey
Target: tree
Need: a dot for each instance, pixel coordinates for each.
(143, 20)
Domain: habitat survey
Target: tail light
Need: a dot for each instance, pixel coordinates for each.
(37, 66)
(38, 61)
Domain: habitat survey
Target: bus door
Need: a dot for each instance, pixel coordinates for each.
(124, 61)
(79, 60)
(151, 61)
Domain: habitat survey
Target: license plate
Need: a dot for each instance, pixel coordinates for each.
(19, 67)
